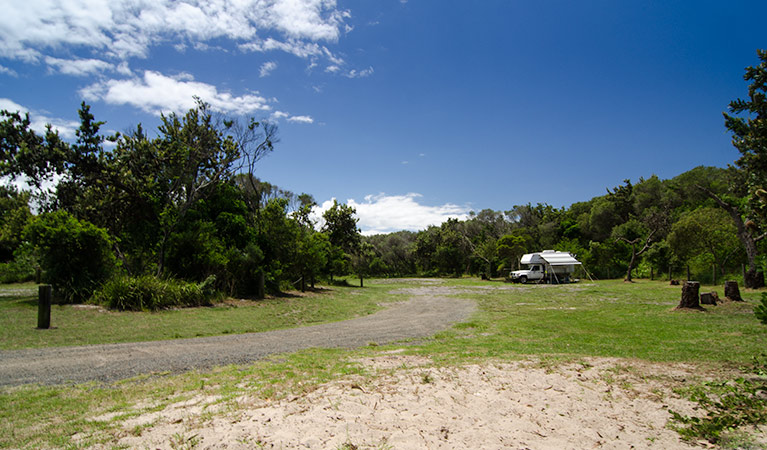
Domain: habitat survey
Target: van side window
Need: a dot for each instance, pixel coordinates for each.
(535, 268)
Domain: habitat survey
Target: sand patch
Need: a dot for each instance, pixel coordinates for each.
(407, 404)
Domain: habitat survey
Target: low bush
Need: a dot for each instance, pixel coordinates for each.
(76, 256)
(728, 405)
(149, 293)
(760, 310)
(23, 266)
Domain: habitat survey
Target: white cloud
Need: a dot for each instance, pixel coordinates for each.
(278, 115)
(361, 74)
(156, 93)
(8, 71)
(267, 68)
(301, 119)
(380, 214)
(129, 28)
(39, 121)
(78, 67)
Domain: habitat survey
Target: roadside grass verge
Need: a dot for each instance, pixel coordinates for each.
(86, 324)
(82, 415)
(549, 323)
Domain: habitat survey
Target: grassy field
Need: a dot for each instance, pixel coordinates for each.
(608, 318)
(78, 325)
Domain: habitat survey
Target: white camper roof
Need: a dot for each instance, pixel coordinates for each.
(551, 257)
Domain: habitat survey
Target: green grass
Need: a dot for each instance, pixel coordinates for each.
(72, 325)
(607, 318)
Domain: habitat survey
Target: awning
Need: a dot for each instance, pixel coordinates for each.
(550, 257)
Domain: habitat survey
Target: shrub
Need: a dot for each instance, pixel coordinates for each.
(728, 405)
(761, 310)
(149, 293)
(76, 257)
(23, 266)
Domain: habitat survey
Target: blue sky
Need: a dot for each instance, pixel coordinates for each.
(411, 111)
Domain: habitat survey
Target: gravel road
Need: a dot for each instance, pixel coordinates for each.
(427, 311)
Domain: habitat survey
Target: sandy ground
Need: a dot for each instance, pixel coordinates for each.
(408, 404)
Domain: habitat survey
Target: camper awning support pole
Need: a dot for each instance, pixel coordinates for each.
(553, 273)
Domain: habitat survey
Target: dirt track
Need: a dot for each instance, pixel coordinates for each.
(428, 311)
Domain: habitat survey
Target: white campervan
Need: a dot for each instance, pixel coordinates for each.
(548, 266)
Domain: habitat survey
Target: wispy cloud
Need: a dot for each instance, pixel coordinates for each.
(7, 71)
(78, 67)
(156, 93)
(267, 68)
(279, 115)
(301, 119)
(360, 74)
(380, 214)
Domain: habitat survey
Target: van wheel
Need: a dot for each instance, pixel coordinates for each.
(523, 279)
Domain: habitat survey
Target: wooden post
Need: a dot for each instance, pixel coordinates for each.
(688, 272)
(652, 276)
(261, 285)
(361, 284)
(44, 294)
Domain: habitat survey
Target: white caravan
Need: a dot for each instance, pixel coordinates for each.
(548, 266)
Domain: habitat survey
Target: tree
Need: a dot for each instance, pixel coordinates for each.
(748, 125)
(24, 154)
(708, 231)
(341, 227)
(362, 260)
(638, 236)
(510, 248)
(343, 234)
(14, 215)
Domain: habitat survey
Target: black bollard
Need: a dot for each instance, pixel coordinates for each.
(44, 294)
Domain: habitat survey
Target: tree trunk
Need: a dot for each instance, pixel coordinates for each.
(709, 298)
(631, 263)
(753, 279)
(690, 298)
(731, 291)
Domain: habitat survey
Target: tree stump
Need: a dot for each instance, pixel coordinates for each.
(731, 291)
(709, 298)
(690, 298)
